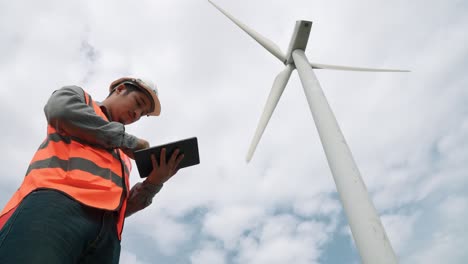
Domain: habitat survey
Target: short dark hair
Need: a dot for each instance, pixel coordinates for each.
(131, 88)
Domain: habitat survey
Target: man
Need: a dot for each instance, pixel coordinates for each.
(75, 196)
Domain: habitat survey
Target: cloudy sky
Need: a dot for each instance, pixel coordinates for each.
(407, 131)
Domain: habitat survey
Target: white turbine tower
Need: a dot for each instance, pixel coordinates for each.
(366, 227)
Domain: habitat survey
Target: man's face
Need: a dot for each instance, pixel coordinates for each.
(127, 107)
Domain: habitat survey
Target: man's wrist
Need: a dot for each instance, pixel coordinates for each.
(153, 187)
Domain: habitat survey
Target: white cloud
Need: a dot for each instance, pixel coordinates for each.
(282, 239)
(228, 224)
(127, 257)
(319, 205)
(167, 233)
(208, 254)
(442, 244)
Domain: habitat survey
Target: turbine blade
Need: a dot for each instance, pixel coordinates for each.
(348, 68)
(266, 43)
(276, 91)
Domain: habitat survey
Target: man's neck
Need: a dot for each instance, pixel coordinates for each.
(105, 111)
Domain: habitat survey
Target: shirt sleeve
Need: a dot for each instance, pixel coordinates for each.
(141, 196)
(67, 111)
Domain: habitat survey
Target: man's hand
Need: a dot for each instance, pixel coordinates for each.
(164, 171)
(141, 144)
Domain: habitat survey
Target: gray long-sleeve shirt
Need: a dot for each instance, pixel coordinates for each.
(68, 112)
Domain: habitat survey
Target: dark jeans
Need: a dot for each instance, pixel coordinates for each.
(49, 227)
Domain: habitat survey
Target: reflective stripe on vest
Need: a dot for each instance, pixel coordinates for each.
(93, 176)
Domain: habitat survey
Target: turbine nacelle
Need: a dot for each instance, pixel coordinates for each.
(299, 39)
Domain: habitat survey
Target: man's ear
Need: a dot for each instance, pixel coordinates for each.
(119, 89)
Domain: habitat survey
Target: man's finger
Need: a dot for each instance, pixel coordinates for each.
(177, 162)
(153, 160)
(173, 157)
(163, 156)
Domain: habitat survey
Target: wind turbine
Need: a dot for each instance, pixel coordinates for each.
(367, 230)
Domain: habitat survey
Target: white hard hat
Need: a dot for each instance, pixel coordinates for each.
(146, 86)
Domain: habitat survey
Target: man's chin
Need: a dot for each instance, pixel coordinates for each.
(123, 121)
(127, 122)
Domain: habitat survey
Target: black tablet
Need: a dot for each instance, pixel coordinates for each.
(188, 147)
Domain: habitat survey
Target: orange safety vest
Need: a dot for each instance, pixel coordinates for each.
(93, 176)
